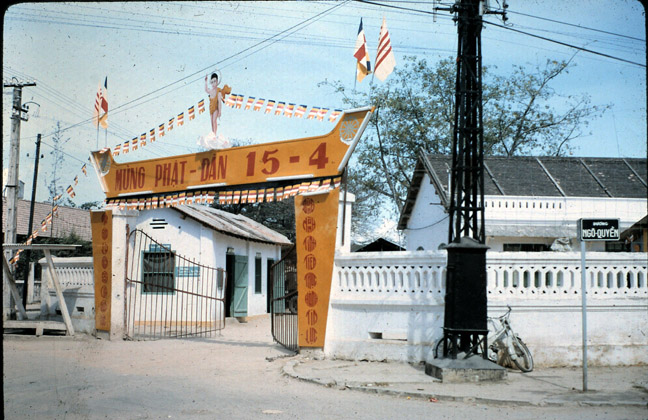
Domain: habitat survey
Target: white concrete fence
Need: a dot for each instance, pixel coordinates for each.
(389, 306)
(76, 276)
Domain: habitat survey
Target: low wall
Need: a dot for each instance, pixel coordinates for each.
(76, 276)
(389, 306)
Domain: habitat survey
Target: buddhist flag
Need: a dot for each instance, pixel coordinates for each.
(152, 135)
(231, 100)
(192, 113)
(161, 130)
(70, 191)
(83, 169)
(290, 108)
(100, 115)
(125, 146)
(280, 107)
(239, 101)
(259, 104)
(133, 145)
(76, 180)
(249, 103)
(362, 55)
(143, 139)
(269, 106)
(322, 113)
(201, 106)
(170, 126)
(313, 113)
(116, 150)
(301, 110)
(385, 60)
(180, 119)
(334, 114)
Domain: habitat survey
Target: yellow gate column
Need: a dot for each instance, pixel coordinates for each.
(316, 222)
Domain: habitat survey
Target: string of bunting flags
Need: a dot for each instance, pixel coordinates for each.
(250, 196)
(235, 101)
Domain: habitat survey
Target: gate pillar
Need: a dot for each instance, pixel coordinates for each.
(109, 249)
(316, 218)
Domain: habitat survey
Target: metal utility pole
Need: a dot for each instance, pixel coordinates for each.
(30, 227)
(12, 178)
(465, 322)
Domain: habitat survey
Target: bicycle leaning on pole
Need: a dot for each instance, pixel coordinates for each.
(505, 345)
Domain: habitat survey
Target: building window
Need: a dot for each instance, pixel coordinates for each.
(158, 270)
(257, 273)
(525, 247)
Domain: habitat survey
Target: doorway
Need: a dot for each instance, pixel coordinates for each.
(236, 290)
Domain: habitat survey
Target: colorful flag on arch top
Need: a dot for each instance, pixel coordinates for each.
(100, 115)
(361, 54)
(385, 60)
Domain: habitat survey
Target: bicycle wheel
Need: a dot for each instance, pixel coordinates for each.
(523, 361)
(441, 345)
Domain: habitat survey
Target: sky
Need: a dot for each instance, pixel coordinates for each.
(155, 56)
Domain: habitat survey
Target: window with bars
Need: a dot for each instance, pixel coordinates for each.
(257, 274)
(158, 271)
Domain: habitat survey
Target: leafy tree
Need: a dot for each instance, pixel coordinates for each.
(277, 215)
(415, 112)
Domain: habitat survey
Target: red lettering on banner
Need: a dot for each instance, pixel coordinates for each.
(311, 317)
(309, 224)
(311, 335)
(308, 205)
(311, 299)
(311, 280)
(310, 261)
(310, 243)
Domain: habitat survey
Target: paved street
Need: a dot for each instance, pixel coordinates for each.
(239, 374)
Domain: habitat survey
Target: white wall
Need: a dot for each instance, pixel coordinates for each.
(390, 305)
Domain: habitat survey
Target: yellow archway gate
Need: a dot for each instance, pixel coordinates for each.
(308, 169)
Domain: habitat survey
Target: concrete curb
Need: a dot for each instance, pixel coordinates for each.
(289, 370)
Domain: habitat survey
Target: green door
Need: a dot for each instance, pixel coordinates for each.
(240, 298)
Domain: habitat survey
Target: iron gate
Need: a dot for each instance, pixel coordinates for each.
(169, 295)
(283, 303)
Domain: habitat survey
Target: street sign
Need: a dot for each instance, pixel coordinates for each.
(598, 230)
(297, 159)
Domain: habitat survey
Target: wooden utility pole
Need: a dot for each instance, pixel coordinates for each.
(13, 178)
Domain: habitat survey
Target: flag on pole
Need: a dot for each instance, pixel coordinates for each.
(362, 55)
(385, 60)
(100, 115)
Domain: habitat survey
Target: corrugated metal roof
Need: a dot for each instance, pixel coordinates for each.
(545, 176)
(233, 224)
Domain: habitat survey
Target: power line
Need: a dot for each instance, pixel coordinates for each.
(576, 26)
(564, 44)
(511, 29)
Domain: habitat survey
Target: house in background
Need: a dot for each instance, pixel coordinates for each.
(65, 221)
(244, 248)
(532, 203)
